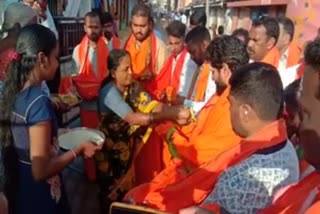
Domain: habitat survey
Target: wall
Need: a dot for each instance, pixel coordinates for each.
(305, 14)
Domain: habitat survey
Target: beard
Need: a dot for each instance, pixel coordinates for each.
(94, 37)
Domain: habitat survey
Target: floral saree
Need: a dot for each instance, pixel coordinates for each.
(115, 171)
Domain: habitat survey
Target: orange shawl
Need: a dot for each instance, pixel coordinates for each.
(87, 82)
(194, 188)
(272, 57)
(166, 78)
(294, 55)
(202, 83)
(143, 58)
(202, 140)
(294, 198)
(314, 209)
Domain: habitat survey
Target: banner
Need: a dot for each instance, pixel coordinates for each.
(305, 14)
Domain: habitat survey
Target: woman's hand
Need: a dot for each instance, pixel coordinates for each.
(89, 149)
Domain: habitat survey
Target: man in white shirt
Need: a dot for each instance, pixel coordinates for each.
(203, 86)
(290, 53)
(180, 69)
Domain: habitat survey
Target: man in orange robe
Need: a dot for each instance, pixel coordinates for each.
(241, 178)
(290, 52)
(302, 195)
(175, 78)
(108, 31)
(263, 39)
(212, 133)
(148, 53)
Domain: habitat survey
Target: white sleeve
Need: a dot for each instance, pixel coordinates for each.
(187, 75)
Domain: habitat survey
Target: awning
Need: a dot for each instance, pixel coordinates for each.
(248, 3)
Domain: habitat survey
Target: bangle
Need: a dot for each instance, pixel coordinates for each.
(151, 117)
(74, 154)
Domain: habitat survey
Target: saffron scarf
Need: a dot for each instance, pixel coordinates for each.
(87, 82)
(272, 57)
(116, 43)
(169, 77)
(143, 58)
(295, 197)
(202, 82)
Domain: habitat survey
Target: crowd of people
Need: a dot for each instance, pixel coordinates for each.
(207, 123)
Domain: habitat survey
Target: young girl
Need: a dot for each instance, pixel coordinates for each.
(30, 126)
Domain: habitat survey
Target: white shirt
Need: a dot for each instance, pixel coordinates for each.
(287, 75)
(49, 23)
(283, 61)
(184, 19)
(251, 184)
(189, 69)
(210, 91)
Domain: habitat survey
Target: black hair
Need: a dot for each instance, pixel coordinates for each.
(176, 29)
(259, 85)
(291, 94)
(113, 61)
(198, 18)
(32, 40)
(197, 35)
(288, 26)
(106, 18)
(312, 54)
(220, 30)
(241, 32)
(143, 10)
(271, 25)
(95, 13)
(229, 50)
